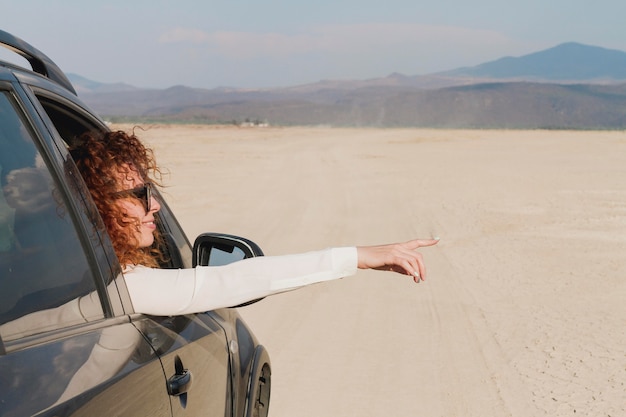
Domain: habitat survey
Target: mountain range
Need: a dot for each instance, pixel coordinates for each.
(569, 86)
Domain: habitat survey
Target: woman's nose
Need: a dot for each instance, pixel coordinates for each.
(154, 204)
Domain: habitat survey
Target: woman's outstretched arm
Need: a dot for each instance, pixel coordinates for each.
(184, 291)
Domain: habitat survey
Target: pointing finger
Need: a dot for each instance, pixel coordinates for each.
(420, 243)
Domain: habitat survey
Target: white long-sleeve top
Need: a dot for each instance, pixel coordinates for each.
(169, 292)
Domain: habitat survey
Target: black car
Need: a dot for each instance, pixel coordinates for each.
(54, 250)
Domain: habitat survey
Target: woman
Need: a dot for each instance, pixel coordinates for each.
(120, 171)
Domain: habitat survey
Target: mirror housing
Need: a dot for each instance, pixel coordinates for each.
(215, 249)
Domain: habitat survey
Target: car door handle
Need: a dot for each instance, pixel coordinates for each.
(180, 382)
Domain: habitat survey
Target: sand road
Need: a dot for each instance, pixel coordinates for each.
(522, 313)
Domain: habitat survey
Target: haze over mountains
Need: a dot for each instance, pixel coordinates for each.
(570, 86)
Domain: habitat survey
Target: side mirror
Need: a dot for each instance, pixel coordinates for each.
(215, 249)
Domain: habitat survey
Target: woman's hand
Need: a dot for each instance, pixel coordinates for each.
(398, 257)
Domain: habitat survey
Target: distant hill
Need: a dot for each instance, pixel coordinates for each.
(566, 62)
(86, 86)
(569, 86)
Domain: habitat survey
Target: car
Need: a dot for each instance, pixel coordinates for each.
(54, 251)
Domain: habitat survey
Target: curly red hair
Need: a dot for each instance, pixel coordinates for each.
(101, 157)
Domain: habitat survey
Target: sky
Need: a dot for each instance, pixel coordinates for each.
(277, 43)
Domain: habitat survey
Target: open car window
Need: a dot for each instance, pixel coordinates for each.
(70, 123)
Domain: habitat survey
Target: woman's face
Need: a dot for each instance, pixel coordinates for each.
(135, 210)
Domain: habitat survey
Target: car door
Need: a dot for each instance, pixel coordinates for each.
(67, 347)
(194, 355)
(191, 348)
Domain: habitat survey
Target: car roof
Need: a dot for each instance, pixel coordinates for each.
(39, 61)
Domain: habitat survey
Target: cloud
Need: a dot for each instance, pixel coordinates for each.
(261, 59)
(335, 39)
(185, 35)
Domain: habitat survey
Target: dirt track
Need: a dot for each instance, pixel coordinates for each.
(522, 312)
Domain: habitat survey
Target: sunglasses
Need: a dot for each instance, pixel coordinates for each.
(142, 193)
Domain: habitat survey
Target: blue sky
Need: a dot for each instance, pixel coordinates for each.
(254, 44)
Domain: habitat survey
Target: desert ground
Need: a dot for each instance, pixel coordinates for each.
(523, 310)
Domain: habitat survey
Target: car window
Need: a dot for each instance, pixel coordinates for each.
(42, 262)
(70, 122)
